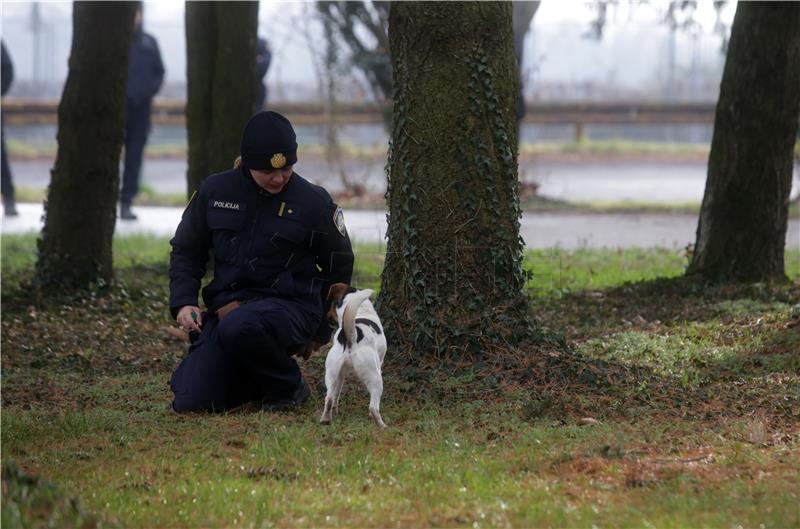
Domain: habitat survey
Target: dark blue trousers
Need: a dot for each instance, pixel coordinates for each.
(245, 357)
(137, 127)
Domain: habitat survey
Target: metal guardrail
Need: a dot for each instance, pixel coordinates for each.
(29, 111)
(20, 111)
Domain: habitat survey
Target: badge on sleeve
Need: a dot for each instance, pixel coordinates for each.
(338, 221)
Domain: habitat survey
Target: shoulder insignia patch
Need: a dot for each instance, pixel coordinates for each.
(338, 221)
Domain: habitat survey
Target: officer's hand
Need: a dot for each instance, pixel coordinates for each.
(190, 318)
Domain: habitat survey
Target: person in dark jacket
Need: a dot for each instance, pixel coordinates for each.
(263, 60)
(277, 241)
(6, 183)
(145, 75)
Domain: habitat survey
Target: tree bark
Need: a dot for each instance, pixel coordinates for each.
(201, 43)
(741, 233)
(221, 83)
(80, 211)
(453, 280)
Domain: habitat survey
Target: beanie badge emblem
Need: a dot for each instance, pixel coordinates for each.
(277, 161)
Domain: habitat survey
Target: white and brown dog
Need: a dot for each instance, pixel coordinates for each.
(359, 345)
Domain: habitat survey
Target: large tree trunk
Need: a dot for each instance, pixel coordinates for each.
(221, 83)
(453, 281)
(742, 230)
(75, 247)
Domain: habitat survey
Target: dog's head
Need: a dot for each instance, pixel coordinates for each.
(336, 295)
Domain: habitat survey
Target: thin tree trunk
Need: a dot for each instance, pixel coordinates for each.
(453, 281)
(523, 14)
(201, 43)
(75, 247)
(221, 83)
(741, 233)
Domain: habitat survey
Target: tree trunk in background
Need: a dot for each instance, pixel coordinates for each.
(221, 83)
(75, 246)
(742, 230)
(523, 13)
(453, 281)
(362, 27)
(201, 45)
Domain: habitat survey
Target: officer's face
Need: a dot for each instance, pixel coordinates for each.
(273, 180)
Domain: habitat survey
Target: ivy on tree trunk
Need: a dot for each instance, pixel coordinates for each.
(742, 229)
(452, 285)
(80, 211)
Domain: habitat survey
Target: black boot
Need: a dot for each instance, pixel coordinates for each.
(299, 396)
(10, 207)
(125, 212)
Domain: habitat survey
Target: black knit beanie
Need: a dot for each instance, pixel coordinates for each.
(268, 142)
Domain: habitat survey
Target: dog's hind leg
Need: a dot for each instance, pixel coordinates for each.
(339, 390)
(375, 387)
(334, 377)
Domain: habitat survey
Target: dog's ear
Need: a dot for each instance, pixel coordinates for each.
(332, 291)
(337, 292)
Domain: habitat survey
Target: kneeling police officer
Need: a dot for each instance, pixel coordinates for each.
(277, 242)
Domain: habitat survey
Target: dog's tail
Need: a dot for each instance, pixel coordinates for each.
(349, 317)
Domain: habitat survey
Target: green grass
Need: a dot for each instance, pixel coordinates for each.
(85, 406)
(18, 254)
(616, 147)
(557, 272)
(454, 466)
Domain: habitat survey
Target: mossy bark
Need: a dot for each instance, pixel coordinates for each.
(80, 211)
(453, 280)
(221, 83)
(742, 229)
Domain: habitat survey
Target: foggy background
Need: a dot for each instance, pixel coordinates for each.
(638, 56)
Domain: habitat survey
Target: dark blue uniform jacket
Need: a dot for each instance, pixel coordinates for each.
(145, 69)
(7, 68)
(285, 245)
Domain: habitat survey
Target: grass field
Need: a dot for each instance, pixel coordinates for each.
(701, 427)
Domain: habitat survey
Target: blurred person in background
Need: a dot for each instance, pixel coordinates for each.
(263, 60)
(145, 75)
(6, 185)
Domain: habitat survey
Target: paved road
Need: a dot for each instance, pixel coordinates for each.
(540, 230)
(666, 182)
